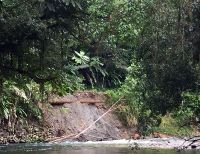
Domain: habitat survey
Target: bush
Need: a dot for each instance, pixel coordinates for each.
(137, 111)
(18, 101)
(189, 111)
(169, 125)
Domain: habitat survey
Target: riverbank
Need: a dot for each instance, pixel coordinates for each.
(85, 119)
(83, 116)
(150, 143)
(154, 143)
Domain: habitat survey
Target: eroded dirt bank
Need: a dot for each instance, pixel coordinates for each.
(64, 118)
(70, 115)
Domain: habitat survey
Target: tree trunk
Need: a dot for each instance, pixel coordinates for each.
(42, 56)
(1, 80)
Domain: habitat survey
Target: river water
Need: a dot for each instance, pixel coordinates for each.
(69, 149)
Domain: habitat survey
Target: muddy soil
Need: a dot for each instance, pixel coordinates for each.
(69, 115)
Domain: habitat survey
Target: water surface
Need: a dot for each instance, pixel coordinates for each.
(68, 149)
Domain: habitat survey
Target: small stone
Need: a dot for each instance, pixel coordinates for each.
(36, 129)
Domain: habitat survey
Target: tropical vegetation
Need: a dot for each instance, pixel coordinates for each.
(146, 51)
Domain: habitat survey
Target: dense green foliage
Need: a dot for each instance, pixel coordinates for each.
(146, 49)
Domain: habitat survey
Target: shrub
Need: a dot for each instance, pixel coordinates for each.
(189, 111)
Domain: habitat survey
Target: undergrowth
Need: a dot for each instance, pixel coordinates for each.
(170, 126)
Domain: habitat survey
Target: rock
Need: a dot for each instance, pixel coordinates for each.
(22, 141)
(13, 139)
(36, 129)
(160, 135)
(136, 135)
(3, 140)
(82, 138)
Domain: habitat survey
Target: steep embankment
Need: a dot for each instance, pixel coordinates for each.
(76, 117)
(70, 115)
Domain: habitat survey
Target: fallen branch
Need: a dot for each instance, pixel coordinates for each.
(189, 142)
(82, 132)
